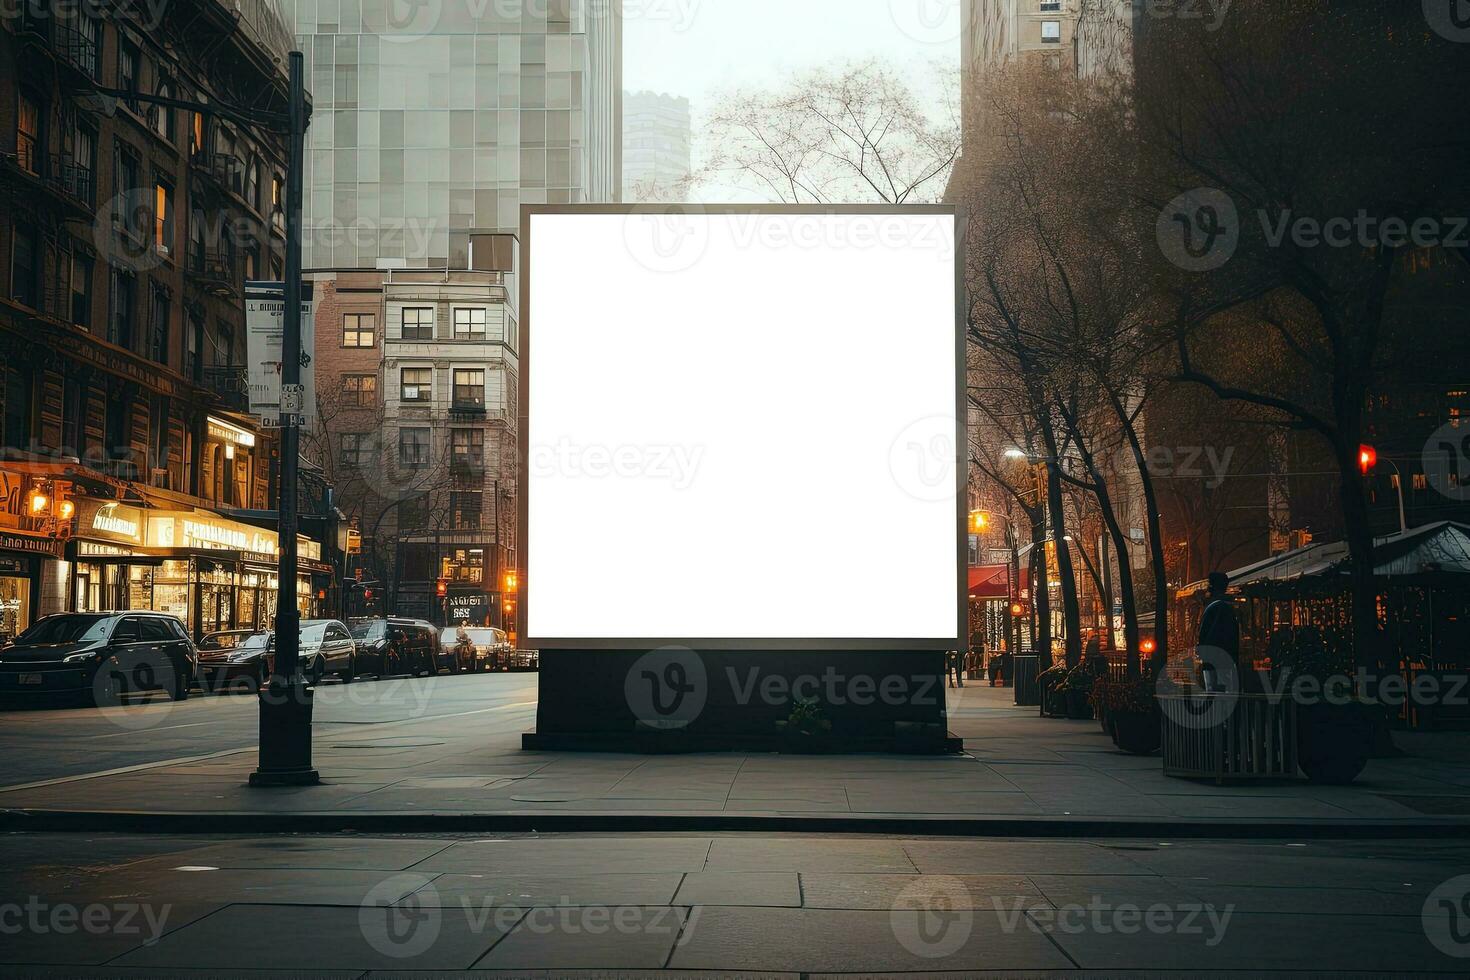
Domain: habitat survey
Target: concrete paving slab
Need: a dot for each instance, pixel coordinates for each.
(317, 938)
(767, 888)
(527, 890)
(1015, 857)
(821, 940)
(611, 855)
(626, 937)
(791, 854)
(882, 892)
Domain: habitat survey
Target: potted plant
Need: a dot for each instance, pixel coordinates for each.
(1078, 684)
(806, 726)
(1051, 683)
(1098, 697)
(1334, 730)
(1133, 716)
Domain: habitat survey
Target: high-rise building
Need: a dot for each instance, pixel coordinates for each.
(434, 122)
(656, 147)
(437, 120)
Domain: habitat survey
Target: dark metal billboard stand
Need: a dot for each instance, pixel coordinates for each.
(680, 700)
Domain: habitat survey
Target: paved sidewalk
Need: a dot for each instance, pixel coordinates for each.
(773, 904)
(1018, 770)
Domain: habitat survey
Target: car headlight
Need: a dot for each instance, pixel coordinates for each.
(90, 656)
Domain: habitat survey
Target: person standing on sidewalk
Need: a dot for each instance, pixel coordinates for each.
(953, 668)
(1219, 637)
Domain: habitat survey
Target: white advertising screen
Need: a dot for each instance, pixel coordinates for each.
(740, 426)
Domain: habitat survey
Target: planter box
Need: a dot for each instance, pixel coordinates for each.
(1206, 736)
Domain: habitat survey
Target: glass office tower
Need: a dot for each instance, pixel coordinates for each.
(436, 119)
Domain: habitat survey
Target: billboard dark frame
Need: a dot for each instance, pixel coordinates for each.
(523, 433)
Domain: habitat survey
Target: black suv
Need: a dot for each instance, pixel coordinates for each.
(395, 646)
(100, 656)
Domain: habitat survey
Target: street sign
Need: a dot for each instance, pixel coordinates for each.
(265, 305)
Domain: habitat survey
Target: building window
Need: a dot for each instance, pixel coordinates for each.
(252, 184)
(17, 409)
(90, 28)
(359, 330)
(81, 291)
(163, 218)
(196, 134)
(161, 118)
(356, 449)
(1050, 5)
(469, 324)
(28, 144)
(1051, 31)
(360, 391)
(464, 565)
(83, 163)
(466, 508)
(158, 350)
(416, 384)
(468, 448)
(469, 388)
(25, 267)
(127, 71)
(418, 323)
(413, 447)
(129, 189)
(278, 202)
(121, 300)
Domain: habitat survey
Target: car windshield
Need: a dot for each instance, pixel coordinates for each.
(367, 629)
(254, 641)
(67, 629)
(313, 632)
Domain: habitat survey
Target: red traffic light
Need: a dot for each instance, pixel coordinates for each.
(441, 588)
(1367, 459)
(367, 595)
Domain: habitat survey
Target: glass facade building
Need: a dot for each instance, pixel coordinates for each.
(437, 119)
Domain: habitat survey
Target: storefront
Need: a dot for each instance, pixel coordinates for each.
(104, 548)
(20, 579)
(218, 574)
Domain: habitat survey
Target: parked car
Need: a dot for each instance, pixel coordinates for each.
(490, 648)
(396, 646)
(235, 655)
(100, 656)
(327, 648)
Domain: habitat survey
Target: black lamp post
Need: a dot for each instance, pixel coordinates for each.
(286, 702)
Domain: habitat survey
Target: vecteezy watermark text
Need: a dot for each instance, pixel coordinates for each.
(37, 917)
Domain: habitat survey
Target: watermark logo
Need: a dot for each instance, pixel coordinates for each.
(677, 465)
(923, 458)
(1221, 678)
(1447, 460)
(1199, 230)
(1101, 918)
(1446, 917)
(400, 917)
(933, 917)
(410, 20)
(678, 14)
(1450, 19)
(1212, 12)
(666, 240)
(667, 688)
(928, 21)
(39, 918)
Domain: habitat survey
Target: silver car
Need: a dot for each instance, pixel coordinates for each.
(327, 648)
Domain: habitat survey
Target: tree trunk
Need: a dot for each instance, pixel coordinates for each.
(1071, 611)
(1160, 656)
(1041, 596)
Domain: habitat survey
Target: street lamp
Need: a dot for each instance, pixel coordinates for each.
(286, 702)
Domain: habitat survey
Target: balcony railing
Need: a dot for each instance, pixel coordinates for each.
(215, 268)
(225, 169)
(231, 384)
(76, 49)
(71, 178)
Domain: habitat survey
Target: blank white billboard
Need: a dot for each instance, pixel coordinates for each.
(740, 429)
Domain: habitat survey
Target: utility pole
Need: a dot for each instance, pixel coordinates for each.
(286, 702)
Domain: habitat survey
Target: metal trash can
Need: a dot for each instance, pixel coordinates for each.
(1024, 669)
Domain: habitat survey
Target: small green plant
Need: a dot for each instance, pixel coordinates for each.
(806, 718)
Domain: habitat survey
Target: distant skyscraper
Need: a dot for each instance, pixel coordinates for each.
(436, 120)
(656, 141)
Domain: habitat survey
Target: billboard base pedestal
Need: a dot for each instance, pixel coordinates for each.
(679, 700)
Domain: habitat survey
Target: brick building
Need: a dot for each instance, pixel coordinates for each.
(127, 231)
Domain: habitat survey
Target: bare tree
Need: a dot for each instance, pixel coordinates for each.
(856, 135)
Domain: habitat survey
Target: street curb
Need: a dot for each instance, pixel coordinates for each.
(249, 823)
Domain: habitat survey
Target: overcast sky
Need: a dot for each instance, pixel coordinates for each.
(700, 48)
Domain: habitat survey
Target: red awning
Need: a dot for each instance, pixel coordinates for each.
(990, 582)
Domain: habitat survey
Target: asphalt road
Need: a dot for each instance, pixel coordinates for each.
(54, 743)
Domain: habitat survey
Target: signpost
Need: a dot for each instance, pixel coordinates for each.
(265, 327)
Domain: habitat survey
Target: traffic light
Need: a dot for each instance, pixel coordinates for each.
(1018, 609)
(511, 580)
(1367, 459)
(441, 588)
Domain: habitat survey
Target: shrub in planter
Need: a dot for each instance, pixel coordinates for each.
(1334, 734)
(1133, 716)
(1079, 686)
(1049, 686)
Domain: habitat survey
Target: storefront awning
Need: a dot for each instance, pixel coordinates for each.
(990, 582)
